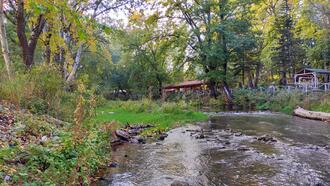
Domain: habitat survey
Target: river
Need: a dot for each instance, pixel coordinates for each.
(229, 149)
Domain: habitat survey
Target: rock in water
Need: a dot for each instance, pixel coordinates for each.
(179, 183)
(162, 136)
(122, 135)
(267, 138)
(243, 149)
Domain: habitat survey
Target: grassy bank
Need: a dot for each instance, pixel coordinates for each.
(163, 116)
(281, 101)
(39, 149)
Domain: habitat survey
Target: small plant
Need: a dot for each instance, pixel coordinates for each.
(37, 105)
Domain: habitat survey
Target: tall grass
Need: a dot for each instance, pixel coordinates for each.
(41, 90)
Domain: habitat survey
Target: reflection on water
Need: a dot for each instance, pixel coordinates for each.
(230, 154)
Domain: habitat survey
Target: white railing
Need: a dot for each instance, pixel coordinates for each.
(306, 87)
(324, 86)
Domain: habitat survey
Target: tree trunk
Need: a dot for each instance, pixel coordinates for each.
(243, 75)
(4, 42)
(75, 64)
(228, 94)
(256, 78)
(28, 46)
(47, 53)
(250, 78)
(213, 89)
(160, 87)
(283, 80)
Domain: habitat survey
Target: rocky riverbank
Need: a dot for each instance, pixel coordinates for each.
(133, 134)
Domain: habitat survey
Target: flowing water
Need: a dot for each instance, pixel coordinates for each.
(230, 151)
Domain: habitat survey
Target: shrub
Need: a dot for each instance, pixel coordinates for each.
(322, 105)
(245, 98)
(285, 101)
(41, 90)
(57, 160)
(37, 105)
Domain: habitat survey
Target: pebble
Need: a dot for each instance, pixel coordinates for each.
(113, 165)
(201, 136)
(243, 149)
(7, 178)
(44, 138)
(238, 134)
(179, 183)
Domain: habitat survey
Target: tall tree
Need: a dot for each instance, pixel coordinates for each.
(150, 47)
(4, 42)
(284, 51)
(215, 34)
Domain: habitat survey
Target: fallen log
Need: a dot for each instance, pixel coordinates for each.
(323, 116)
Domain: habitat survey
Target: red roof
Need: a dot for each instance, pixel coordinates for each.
(185, 84)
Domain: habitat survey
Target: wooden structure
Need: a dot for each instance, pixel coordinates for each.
(312, 79)
(185, 86)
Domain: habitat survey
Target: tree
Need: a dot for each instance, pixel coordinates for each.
(150, 47)
(214, 35)
(97, 8)
(314, 32)
(284, 51)
(21, 16)
(4, 42)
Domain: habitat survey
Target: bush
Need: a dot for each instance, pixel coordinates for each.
(245, 98)
(41, 90)
(282, 101)
(37, 105)
(285, 101)
(322, 105)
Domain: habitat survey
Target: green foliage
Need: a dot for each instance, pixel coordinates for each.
(322, 104)
(286, 101)
(282, 101)
(56, 159)
(37, 105)
(40, 90)
(145, 105)
(175, 107)
(245, 98)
